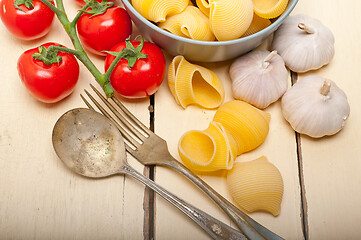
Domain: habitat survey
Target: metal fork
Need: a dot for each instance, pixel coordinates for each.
(150, 149)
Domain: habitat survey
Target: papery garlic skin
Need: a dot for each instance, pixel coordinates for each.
(314, 113)
(258, 80)
(304, 50)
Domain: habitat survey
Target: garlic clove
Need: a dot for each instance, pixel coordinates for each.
(259, 78)
(315, 106)
(304, 43)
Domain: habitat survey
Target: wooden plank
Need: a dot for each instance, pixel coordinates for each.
(171, 121)
(39, 197)
(331, 165)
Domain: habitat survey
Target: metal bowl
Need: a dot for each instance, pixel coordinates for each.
(203, 51)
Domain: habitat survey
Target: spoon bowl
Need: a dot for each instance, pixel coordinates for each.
(88, 144)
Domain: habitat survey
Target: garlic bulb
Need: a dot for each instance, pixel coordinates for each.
(304, 43)
(259, 78)
(315, 106)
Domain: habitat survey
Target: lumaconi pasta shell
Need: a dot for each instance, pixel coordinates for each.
(214, 151)
(237, 127)
(159, 10)
(257, 25)
(231, 142)
(231, 146)
(228, 19)
(248, 125)
(269, 8)
(204, 6)
(256, 185)
(191, 23)
(194, 84)
(197, 159)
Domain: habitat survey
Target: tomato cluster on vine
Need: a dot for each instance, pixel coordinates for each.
(50, 72)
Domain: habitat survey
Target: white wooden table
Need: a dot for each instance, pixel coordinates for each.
(41, 199)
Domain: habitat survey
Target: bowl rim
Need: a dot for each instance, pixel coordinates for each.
(275, 24)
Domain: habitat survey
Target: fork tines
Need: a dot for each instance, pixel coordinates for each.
(132, 129)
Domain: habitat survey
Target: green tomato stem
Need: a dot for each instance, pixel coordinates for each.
(52, 7)
(80, 12)
(79, 52)
(112, 66)
(48, 56)
(60, 5)
(64, 49)
(129, 53)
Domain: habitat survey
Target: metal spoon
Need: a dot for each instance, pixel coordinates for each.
(91, 145)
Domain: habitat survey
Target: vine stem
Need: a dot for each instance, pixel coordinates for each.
(80, 12)
(78, 51)
(112, 66)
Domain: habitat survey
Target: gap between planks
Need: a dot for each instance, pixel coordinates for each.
(304, 209)
(149, 195)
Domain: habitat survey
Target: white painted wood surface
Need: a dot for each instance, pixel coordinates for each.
(331, 165)
(41, 199)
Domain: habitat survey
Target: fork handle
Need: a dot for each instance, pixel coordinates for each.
(215, 228)
(251, 228)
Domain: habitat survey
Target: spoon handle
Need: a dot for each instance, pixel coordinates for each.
(215, 228)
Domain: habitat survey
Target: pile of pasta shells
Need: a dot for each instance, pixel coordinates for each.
(237, 127)
(210, 20)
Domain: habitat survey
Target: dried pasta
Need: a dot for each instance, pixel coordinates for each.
(194, 84)
(257, 25)
(256, 185)
(159, 10)
(237, 127)
(228, 19)
(249, 126)
(214, 151)
(269, 8)
(191, 23)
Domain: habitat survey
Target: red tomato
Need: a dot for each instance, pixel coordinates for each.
(101, 32)
(82, 2)
(28, 24)
(141, 80)
(48, 83)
